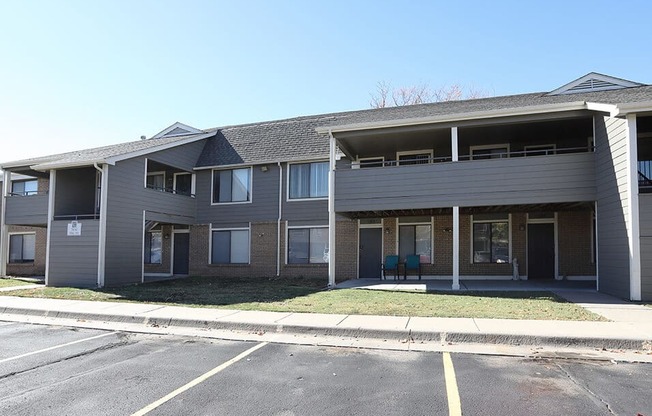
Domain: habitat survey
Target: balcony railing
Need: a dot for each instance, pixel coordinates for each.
(28, 193)
(644, 176)
(419, 160)
(76, 217)
(170, 191)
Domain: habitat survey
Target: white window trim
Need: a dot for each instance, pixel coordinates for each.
(432, 235)
(251, 186)
(509, 227)
(19, 233)
(287, 184)
(430, 152)
(287, 241)
(540, 147)
(192, 182)
(210, 244)
(489, 146)
(152, 231)
(356, 163)
(160, 172)
(14, 181)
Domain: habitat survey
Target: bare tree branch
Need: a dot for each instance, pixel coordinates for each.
(386, 96)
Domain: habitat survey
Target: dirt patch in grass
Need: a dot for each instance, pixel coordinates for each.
(309, 295)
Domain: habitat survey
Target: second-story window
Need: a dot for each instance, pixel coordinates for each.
(309, 180)
(24, 188)
(231, 185)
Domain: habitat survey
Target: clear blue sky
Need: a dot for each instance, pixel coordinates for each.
(80, 74)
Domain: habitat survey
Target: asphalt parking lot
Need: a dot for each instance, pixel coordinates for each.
(46, 370)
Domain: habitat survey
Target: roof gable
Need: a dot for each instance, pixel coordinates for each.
(594, 82)
(177, 129)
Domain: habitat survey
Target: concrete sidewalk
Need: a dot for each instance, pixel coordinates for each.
(630, 329)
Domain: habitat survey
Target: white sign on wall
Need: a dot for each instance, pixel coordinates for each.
(74, 228)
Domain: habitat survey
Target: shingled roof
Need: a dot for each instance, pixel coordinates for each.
(297, 138)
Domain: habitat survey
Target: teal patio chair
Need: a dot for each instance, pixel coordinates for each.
(390, 265)
(412, 263)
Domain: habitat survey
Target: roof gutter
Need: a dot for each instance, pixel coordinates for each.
(626, 108)
(538, 109)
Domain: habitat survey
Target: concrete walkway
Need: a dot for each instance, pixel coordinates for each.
(630, 327)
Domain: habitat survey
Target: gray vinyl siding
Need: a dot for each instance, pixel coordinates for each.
(126, 201)
(73, 259)
(27, 210)
(645, 218)
(523, 180)
(612, 205)
(184, 157)
(263, 206)
(264, 202)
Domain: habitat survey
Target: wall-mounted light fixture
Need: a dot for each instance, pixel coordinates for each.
(388, 230)
(521, 227)
(448, 230)
(264, 168)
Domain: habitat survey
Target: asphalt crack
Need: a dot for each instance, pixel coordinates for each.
(584, 387)
(67, 358)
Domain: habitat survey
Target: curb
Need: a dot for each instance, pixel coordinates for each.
(442, 337)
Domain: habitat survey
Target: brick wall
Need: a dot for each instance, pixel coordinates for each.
(575, 245)
(38, 267)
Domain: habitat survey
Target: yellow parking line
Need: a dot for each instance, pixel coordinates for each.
(197, 381)
(454, 403)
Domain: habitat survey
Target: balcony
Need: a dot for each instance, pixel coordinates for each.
(567, 175)
(27, 208)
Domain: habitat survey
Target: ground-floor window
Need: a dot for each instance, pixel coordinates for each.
(307, 245)
(22, 248)
(490, 238)
(415, 238)
(230, 246)
(153, 247)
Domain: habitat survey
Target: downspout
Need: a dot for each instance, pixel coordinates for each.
(278, 222)
(332, 223)
(4, 232)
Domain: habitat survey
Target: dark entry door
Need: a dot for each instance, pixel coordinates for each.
(541, 251)
(181, 258)
(371, 252)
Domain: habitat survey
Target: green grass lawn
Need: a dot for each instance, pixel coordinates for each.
(12, 282)
(308, 295)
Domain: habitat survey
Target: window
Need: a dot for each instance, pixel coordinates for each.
(414, 158)
(232, 185)
(22, 248)
(489, 152)
(309, 180)
(307, 245)
(491, 238)
(156, 180)
(415, 238)
(183, 183)
(230, 247)
(153, 247)
(24, 188)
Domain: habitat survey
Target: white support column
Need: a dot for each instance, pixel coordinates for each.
(632, 214)
(101, 249)
(4, 232)
(51, 194)
(331, 212)
(456, 248)
(454, 147)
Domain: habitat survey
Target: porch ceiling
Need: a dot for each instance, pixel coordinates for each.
(569, 206)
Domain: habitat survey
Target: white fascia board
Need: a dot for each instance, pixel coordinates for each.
(265, 162)
(118, 158)
(626, 108)
(612, 109)
(186, 127)
(448, 118)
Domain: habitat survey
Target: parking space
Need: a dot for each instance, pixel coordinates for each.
(55, 370)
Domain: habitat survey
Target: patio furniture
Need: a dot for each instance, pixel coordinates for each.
(412, 262)
(390, 265)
